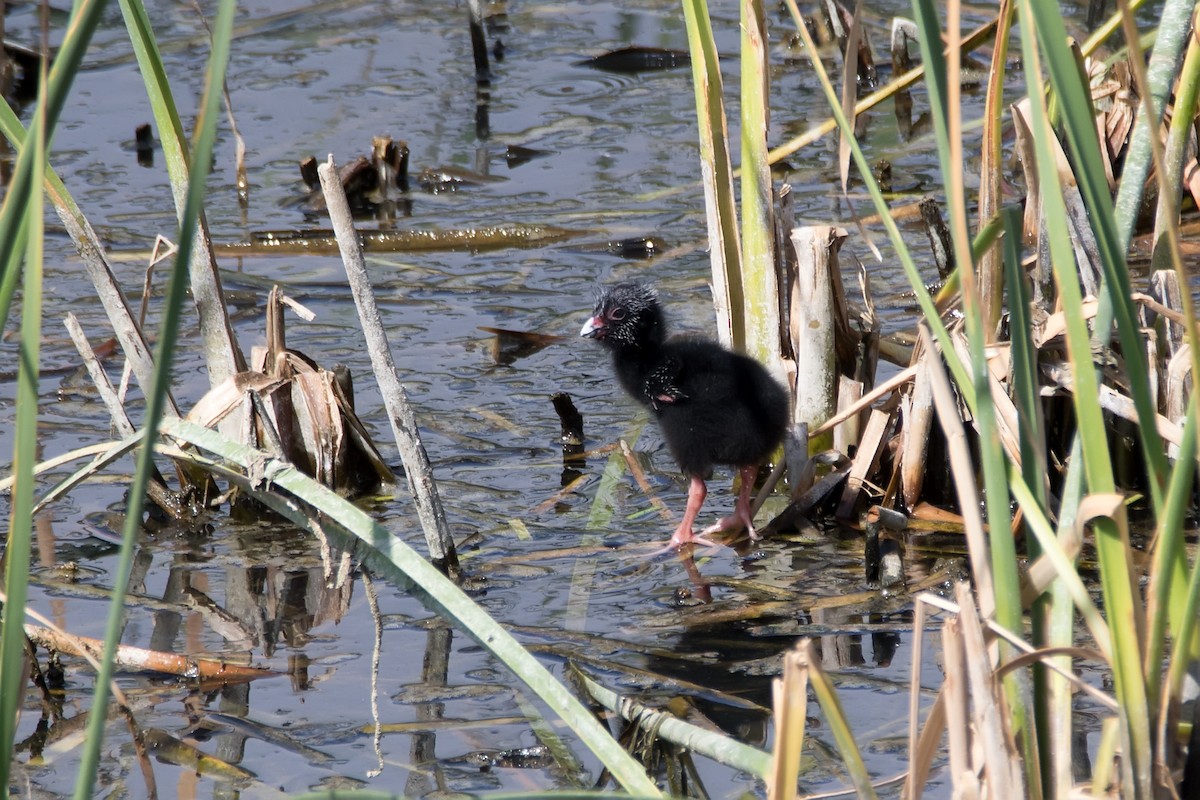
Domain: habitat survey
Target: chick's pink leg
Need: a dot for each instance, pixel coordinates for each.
(741, 518)
(696, 494)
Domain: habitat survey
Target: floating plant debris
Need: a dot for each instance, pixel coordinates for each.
(449, 179)
(509, 345)
(321, 241)
(516, 155)
(637, 59)
(635, 247)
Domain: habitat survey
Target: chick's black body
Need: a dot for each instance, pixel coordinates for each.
(714, 406)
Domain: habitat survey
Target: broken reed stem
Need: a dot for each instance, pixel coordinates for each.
(479, 50)
(917, 417)
(156, 487)
(571, 429)
(1000, 754)
(139, 659)
(790, 696)
(811, 300)
(400, 413)
(108, 395)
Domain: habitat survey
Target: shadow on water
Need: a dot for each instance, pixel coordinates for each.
(568, 573)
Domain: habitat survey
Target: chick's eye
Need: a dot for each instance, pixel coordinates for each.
(617, 314)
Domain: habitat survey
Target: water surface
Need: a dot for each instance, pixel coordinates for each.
(568, 574)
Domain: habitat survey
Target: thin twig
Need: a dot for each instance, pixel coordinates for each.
(104, 388)
(639, 475)
(376, 649)
(137, 658)
(890, 385)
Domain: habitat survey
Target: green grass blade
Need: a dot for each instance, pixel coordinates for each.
(86, 241)
(934, 61)
(1189, 611)
(1165, 600)
(10, 268)
(1089, 418)
(716, 745)
(945, 102)
(1040, 527)
(1168, 575)
(1025, 380)
(18, 544)
(13, 228)
(1174, 29)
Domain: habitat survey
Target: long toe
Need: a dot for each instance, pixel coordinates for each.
(683, 537)
(732, 523)
(678, 545)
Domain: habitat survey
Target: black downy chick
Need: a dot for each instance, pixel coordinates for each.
(714, 406)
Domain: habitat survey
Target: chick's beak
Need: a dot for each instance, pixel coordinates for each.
(593, 328)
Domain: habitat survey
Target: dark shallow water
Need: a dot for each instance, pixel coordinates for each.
(570, 575)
